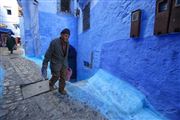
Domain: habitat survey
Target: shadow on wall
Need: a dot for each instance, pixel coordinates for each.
(72, 56)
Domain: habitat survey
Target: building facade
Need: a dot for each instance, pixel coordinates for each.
(40, 26)
(29, 25)
(9, 15)
(149, 62)
(120, 36)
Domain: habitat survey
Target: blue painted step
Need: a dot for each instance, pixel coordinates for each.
(113, 97)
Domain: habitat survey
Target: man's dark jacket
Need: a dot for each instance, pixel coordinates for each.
(55, 55)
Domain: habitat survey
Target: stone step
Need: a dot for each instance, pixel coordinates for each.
(113, 97)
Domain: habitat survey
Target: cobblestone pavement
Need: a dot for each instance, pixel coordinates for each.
(47, 106)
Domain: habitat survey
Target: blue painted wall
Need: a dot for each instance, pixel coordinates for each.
(52, 24)
(150, 63)
(42, 22)
(30, 28)
(1, 80)
(52, 21)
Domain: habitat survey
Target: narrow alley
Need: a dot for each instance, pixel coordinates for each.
(48, 106)
(89, 60)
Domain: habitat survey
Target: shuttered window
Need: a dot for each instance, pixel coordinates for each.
(86, 17)
(65, 5)
(177, 2)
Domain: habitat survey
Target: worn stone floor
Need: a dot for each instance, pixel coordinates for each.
(47, 106)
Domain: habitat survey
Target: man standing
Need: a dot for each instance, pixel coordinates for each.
(57, 54)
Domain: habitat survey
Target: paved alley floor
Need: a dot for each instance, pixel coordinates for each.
(47, 106)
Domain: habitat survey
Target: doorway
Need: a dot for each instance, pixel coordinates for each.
(72, 62)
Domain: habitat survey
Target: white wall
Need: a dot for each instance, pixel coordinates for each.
(9, 20)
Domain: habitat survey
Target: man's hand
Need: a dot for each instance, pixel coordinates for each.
(44, 72)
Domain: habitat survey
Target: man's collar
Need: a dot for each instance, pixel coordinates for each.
(63, 41)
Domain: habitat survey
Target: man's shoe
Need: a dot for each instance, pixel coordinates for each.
(51, 87)
(63, 92)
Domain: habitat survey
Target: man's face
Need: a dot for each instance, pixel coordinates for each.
(65, 37)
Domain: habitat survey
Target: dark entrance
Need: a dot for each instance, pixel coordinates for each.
(72, 62)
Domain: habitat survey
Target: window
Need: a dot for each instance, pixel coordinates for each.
(135, 23)
(89, 64)
(86, 17)
(16, 26)
(35, 2)
(65, 5)
(177, 3)
(135, 16)
(9, 12)
(163, 6)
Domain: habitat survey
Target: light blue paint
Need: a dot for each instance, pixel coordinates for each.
(50, 5)
(150, 63)
(1, 80)
(113, 97)
(122, 101)
(30, 28)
